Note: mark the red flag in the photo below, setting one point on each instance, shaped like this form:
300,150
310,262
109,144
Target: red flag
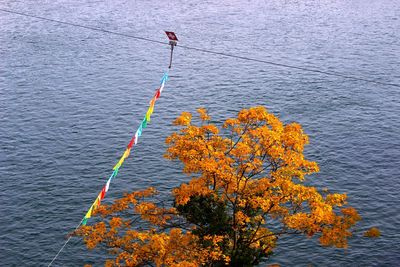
103,193
157,95
131,142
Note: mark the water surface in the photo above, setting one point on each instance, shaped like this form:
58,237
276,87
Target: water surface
71,98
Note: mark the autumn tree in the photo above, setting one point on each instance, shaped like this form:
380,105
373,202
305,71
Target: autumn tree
246,189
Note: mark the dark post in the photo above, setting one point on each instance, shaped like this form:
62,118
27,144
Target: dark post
173,40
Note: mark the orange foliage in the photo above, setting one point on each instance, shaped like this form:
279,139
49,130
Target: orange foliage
373,232
254,167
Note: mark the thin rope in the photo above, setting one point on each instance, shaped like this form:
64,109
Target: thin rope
55,257
66,242
82,26
314,70
291,66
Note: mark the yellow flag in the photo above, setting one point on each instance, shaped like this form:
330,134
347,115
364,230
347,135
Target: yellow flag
119,163
150,110
148,114
122,159
89,213
126,153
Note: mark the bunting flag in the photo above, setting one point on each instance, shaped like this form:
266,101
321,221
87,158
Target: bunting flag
132,142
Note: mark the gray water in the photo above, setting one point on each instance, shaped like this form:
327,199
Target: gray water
71,98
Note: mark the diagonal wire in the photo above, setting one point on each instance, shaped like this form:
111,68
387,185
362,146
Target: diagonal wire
65,243
342,75
82,26
277,64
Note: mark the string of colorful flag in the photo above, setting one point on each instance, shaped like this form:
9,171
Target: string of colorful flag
132,142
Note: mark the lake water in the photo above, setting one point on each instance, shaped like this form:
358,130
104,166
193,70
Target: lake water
71,98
